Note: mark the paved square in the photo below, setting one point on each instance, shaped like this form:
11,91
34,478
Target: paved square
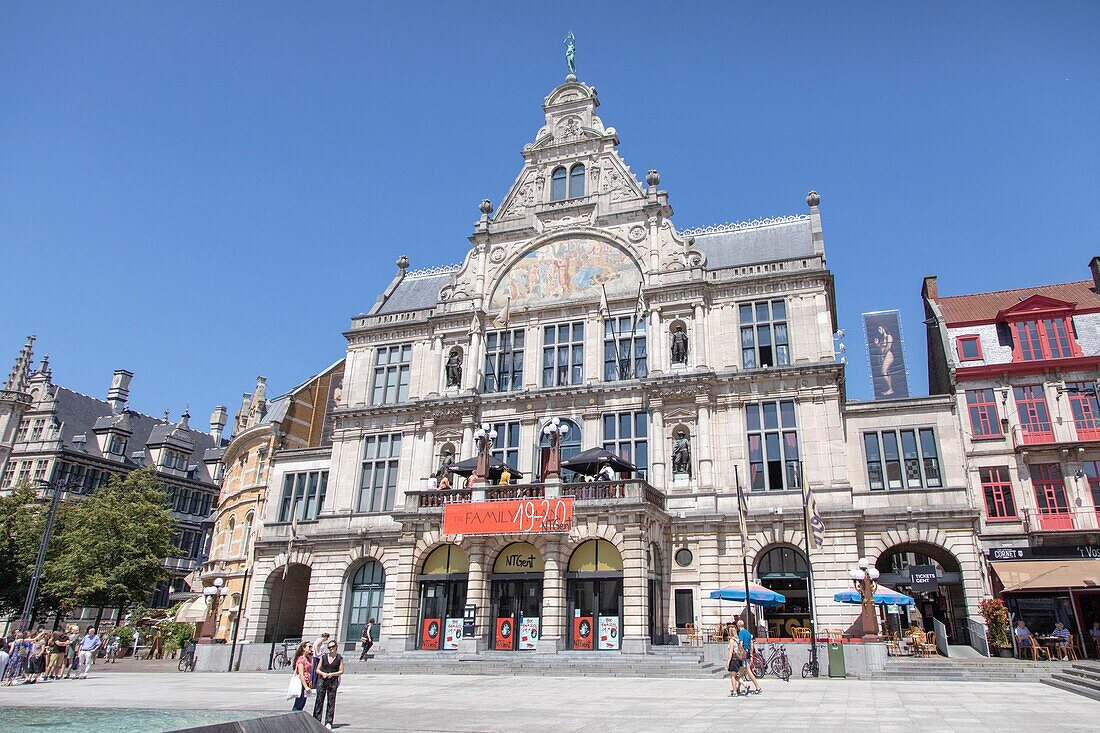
476,704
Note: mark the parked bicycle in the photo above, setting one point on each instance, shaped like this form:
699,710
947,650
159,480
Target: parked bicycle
810,668
187,659
775,662
282,657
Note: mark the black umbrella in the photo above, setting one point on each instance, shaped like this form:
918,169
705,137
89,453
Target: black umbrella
590,462
496,467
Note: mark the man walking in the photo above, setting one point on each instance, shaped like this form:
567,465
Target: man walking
745,637
89,645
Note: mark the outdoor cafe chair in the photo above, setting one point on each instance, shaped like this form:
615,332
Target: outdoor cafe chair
1071,649
800,632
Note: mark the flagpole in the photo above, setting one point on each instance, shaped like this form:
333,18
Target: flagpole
809,567
741,510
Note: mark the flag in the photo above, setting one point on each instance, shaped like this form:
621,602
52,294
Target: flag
604,308
505,313
815,526
742,514
639,307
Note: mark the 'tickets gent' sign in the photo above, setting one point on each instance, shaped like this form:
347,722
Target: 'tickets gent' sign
512,516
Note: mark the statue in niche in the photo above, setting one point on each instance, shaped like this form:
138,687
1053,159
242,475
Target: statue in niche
681,454
679,346
454,368
443,473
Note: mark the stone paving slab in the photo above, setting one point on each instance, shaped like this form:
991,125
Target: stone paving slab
463,704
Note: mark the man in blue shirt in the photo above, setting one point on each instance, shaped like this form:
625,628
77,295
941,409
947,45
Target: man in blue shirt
1062,633
745,638
89,645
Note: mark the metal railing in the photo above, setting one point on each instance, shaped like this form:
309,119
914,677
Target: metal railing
1069,519
1033,433
625,491
979,637
941,636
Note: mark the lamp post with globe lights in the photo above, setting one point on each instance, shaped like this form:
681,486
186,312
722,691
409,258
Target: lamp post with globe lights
483,437
214,594
555,432
864,579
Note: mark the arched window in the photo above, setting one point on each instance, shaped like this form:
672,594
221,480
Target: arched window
365,592
247,532
229,535
784,570
557,184
570,446
576,181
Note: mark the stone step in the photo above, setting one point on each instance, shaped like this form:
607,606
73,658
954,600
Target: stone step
1086,677
1073,686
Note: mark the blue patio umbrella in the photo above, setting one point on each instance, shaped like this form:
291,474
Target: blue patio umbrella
758,594
883,597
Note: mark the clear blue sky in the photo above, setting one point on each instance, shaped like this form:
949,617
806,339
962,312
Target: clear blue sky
202,192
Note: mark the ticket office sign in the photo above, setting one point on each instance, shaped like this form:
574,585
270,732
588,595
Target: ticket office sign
510,516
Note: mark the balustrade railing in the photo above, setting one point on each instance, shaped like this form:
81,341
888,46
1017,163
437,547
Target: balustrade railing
1059,519
626,490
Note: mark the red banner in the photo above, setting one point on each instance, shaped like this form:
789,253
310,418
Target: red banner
506,633
430,633
582,632
510,516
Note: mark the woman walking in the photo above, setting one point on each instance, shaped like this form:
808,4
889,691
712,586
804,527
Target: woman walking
330,668
36,663
366,639
14,667
303,673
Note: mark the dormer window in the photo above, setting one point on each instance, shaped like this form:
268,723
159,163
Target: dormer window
567,184
117,445
173,459
1048,338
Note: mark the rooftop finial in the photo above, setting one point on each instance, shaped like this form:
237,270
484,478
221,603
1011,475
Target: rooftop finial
402,262
571,56
17,380
485,207
813,199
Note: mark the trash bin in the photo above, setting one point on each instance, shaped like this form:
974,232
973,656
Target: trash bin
836,659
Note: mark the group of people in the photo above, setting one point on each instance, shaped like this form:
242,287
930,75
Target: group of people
318,667
1026,640
30,657
739,662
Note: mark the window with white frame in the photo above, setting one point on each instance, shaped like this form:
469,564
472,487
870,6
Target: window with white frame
303,495
504,360
36,429
902,459
563,354
626,434
506,445
391,374
624,349
773,446
9,475
764,337
378,484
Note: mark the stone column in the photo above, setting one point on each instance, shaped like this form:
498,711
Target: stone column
428,450
710,611
635,632
400,607
471,366
435,368
706,473
593,347
532,357
477,592
552,625
699,334
467,448
656,343
592,435
657,443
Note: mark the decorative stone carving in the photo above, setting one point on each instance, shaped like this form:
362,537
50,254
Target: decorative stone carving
637,234
497,255
454,368
679,346
445,463
681,454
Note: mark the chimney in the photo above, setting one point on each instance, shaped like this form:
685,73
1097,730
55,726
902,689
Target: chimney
218,418
1094,267
929,290
119,393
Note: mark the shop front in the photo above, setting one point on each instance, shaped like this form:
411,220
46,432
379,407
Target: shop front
785,570
443,581
931,576
516,597
595,594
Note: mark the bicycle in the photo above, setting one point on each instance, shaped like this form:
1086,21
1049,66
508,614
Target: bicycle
810,668
187,660
282,657
776,662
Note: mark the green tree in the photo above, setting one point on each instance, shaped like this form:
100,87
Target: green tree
22,523
112,547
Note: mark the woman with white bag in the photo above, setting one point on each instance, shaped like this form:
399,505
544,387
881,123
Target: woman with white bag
299,687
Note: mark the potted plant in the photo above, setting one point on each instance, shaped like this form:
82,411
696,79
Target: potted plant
995,613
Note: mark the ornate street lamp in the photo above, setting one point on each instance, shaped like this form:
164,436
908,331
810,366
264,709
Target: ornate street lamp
863,579
214,594
484,437
555,431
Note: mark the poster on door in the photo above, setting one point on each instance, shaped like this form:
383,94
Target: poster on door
582,632
528,632
609,632
452,632
506,633
430,633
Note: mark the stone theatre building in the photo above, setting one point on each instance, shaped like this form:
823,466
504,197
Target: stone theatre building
579,299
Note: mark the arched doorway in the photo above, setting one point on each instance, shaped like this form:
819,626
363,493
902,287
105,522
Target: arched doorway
595,592
443,580
784,570
366,589
946,604
516,597
287,589
570,446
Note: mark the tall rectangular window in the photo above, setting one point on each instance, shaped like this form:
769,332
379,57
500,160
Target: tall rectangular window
40,470
1050,496
303,495
506,445
1086,409
391,374
1092,472
626,434
563,354
773,446
764,337
1031,408
899,459
9,475
624,349
982,406
36,430
21,433
1047,338
378,484
998,493
504,360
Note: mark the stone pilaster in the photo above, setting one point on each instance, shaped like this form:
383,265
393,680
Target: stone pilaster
552,624
635,633
699,335
705,458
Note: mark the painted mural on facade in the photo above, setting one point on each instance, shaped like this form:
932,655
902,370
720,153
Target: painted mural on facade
572,270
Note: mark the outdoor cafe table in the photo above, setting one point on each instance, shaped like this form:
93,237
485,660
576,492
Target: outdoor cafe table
1051,643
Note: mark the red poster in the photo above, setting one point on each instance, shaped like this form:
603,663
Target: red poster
582,632
430,633
506,633
510,516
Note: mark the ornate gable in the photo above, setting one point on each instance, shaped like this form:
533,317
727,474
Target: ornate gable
1036,305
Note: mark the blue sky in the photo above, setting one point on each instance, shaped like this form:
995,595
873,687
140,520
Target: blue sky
202,192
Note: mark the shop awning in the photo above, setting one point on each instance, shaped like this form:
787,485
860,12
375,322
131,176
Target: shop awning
1044,574
192,611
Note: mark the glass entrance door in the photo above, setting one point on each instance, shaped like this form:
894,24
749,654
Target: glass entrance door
441,606
517,607
595,613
